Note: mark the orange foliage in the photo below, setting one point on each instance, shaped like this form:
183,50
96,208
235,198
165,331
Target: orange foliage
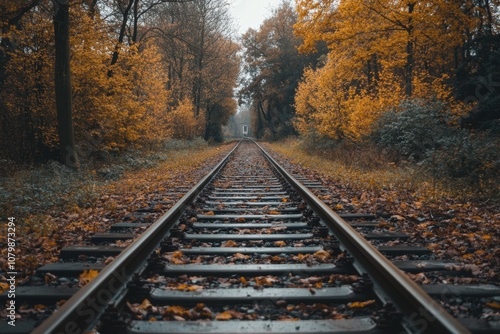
181,122
381,52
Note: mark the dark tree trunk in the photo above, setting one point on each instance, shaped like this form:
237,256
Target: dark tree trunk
121,36
409,53
63,85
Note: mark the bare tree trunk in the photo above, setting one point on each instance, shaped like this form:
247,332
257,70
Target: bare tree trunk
409,53
63,85
123,28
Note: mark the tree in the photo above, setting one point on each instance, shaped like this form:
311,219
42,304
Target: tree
63,84
381,52
273,69
202,60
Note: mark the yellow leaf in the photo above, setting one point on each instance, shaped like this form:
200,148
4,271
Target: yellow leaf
3,287
145,305
87,276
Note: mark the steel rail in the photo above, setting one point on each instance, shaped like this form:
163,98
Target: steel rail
421,314
82,310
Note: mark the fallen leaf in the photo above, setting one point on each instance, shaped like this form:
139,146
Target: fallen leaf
280,243
239,256
322,255
228,315
494,305
145,305
361,304
87,276
229,243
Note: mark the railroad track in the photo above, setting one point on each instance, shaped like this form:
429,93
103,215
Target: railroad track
251,249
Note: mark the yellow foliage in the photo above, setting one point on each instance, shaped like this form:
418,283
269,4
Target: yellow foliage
380,53
182,123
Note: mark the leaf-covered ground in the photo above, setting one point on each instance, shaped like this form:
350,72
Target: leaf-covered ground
55,207
456,230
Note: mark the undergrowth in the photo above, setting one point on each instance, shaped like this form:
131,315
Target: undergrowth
53,186
365,166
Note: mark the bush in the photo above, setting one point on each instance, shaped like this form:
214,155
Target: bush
413,129
471,161
420,132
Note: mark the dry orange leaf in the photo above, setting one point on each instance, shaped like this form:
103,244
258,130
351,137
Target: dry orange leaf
3,287
361,304
228,315
87,276
186,287
210,213
239,256
264,280
243,280
224,316
277,259
145,305
40,307
229,243
322,255
494,305
280,243
273,212
175,310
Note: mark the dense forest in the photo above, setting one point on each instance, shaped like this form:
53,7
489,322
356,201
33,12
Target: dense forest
419,80
131,73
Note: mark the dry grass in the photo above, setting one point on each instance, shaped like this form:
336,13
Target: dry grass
363,167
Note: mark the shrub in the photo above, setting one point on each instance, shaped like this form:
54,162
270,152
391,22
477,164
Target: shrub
470,161
413,129
420,131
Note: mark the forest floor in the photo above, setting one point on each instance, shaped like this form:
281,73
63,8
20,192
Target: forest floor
54,206
456,229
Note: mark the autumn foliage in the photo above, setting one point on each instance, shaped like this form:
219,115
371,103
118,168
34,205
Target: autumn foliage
133,75
380,53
